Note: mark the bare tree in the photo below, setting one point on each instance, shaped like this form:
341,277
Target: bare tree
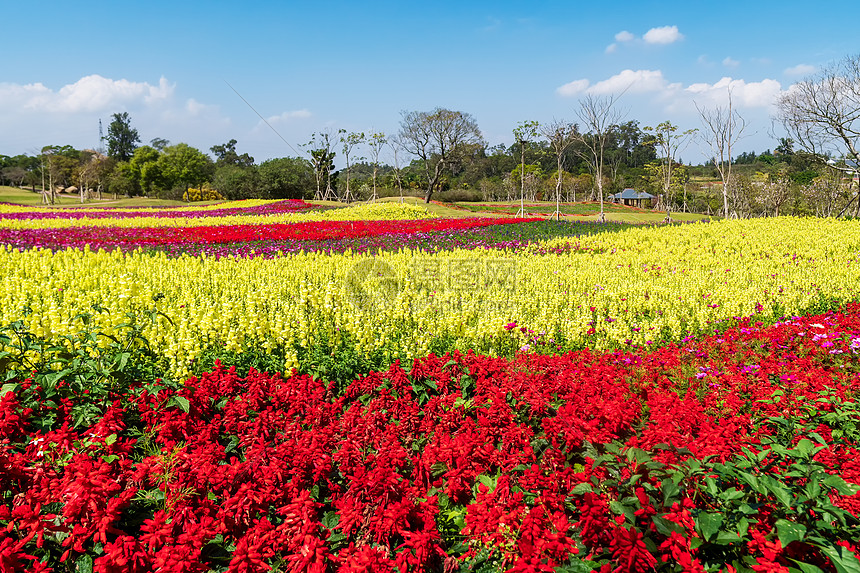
668,141
437,138
322,157
598,115
524,132
375,142
775,192
722,128
349,141
822,113
824,193
396,147
561,136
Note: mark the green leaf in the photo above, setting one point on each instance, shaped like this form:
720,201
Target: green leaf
804,447
789,531
330,519
778,490
731,494
670,492
844,560
10,387
726,537
750,480
709,524
620,509
123,360
840,485
52,378
335,538
807,567
666,526
487,481
110,440
182,402
581,488
84,564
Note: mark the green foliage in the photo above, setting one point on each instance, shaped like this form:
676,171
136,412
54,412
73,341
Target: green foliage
779,490
122,139
91,367
184,166
235,182
286,178
226,155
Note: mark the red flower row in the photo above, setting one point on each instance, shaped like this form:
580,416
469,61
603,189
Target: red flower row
306,231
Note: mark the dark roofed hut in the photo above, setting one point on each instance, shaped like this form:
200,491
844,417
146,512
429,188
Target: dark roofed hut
632,198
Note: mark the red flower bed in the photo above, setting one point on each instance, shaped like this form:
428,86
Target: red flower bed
307,231
732,450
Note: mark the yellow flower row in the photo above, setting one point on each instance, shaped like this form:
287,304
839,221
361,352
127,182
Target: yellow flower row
364,212
241,203
631,286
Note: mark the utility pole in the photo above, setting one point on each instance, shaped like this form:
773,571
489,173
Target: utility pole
101,148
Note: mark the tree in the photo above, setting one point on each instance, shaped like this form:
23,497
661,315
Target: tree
234,182
396,146
91,171
375,143
775,192
668,141
121,137
226,155
322,159
158,143
121,180
598,115
146,169
822,113
723,127
286,178
561,136
183,166
437,138
524,132
349,141
58,164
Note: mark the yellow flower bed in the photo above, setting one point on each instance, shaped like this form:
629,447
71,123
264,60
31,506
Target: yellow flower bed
628,286
241,203
365,212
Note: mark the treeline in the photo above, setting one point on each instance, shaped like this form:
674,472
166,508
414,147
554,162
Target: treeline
778,182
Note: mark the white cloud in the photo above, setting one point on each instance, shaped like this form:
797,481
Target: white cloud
663,35
800,70
611,48
624,36
572,88
89,94
745,94
195,108
674,95
638,81
730,63
289,116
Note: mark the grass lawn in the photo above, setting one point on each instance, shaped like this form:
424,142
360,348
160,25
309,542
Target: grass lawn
27,197
572,211
586,210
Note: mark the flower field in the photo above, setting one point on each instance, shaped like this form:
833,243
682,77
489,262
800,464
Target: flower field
374,389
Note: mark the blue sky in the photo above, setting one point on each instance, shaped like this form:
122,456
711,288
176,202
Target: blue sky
310,66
